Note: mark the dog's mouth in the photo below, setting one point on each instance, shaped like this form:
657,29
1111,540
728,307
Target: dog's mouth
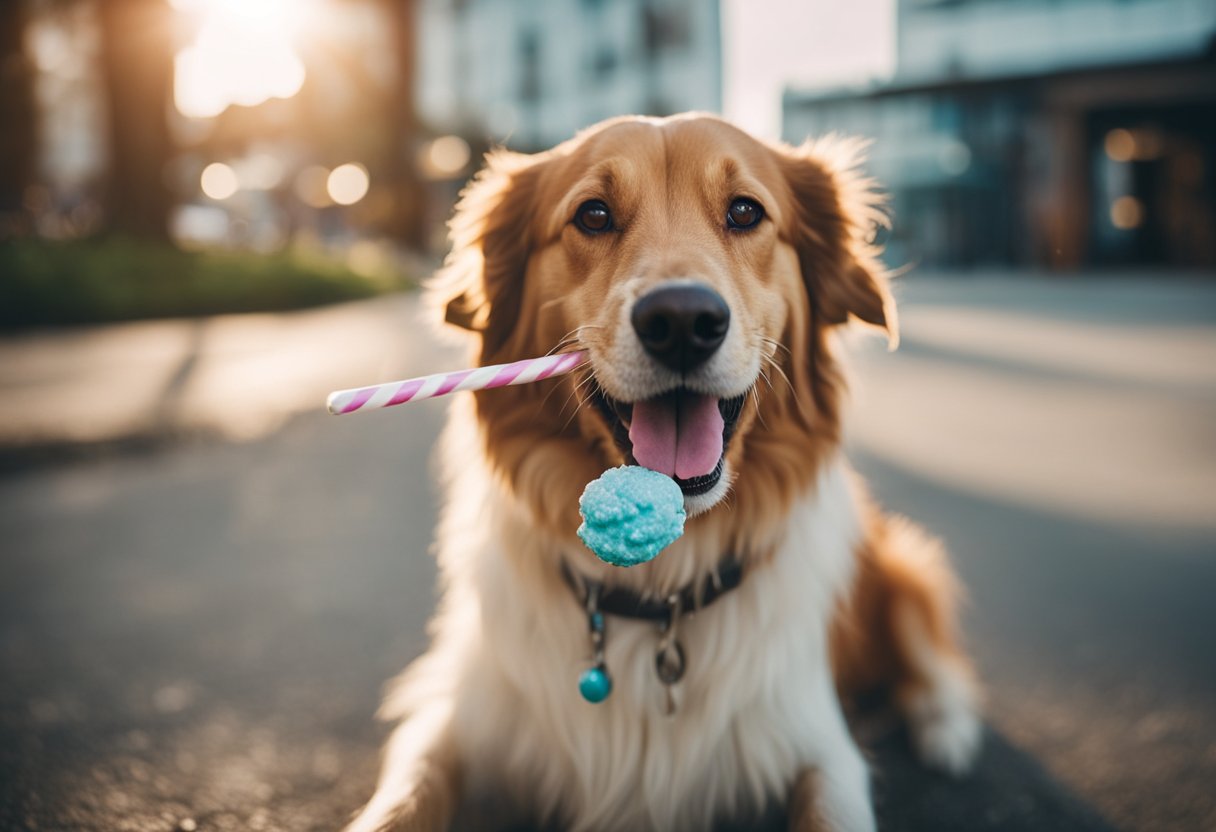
680,433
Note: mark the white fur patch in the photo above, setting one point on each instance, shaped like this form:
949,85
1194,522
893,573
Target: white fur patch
756,705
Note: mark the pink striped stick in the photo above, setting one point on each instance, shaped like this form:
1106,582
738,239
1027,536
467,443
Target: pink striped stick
440,384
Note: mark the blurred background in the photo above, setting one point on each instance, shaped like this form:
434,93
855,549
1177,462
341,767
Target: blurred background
212,212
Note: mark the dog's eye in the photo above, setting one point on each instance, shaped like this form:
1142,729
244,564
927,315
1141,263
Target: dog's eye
593,217
744,213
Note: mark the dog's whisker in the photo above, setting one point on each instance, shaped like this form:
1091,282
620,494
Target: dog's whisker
579,390
768,379
586,374
549,395
755,394
765,375
572,341
773,348
586,381
580,400
568,340
776,366
573,414
775,344
574,391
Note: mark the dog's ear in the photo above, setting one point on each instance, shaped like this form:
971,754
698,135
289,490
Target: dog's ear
836,214
481,284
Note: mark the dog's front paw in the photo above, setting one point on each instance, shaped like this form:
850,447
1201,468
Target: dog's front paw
833,798
945,722
949,740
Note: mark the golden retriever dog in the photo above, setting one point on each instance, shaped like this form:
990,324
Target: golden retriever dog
705,273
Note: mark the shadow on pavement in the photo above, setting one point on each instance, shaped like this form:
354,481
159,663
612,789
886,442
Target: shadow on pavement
1093,641
1008,792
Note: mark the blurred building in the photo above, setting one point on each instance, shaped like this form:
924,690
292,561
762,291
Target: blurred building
531,74
1057,133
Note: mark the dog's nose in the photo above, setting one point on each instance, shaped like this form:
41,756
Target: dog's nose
681,326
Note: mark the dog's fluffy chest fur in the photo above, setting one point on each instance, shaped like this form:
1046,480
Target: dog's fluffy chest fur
750,705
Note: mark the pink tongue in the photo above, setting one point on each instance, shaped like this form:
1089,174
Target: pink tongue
678,435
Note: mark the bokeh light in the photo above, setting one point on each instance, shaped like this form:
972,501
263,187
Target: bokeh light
260,172
1140,145
1126,213
1120,145
955,158
347,184
446,156
219,181
243,54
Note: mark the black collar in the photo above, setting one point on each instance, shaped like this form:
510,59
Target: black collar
626,603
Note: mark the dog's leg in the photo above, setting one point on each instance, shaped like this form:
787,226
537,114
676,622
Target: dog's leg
900,632
832,795
419,786
939,697
936,691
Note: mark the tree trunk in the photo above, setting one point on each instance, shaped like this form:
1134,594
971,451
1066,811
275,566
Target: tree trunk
137,66
406,220
18,130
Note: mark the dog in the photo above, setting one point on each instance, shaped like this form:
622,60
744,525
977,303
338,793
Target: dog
705,273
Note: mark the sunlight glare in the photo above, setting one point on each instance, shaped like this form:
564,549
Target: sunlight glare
243,54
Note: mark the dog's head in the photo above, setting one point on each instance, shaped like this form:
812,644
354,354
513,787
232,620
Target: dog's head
701,269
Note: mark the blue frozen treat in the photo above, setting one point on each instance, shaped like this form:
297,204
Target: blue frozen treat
629,514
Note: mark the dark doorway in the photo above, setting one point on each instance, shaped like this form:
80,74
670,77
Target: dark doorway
1153,178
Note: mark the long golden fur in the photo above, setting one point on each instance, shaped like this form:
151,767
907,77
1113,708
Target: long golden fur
527,281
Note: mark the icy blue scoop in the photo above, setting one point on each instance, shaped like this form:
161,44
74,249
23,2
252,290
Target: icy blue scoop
630,514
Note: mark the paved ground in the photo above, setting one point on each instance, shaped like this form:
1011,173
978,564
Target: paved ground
237,376
194,634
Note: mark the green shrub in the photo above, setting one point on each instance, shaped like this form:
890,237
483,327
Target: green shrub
109,279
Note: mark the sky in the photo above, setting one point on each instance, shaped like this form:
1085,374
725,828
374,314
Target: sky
769,44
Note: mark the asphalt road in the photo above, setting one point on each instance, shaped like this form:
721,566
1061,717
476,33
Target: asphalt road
194,635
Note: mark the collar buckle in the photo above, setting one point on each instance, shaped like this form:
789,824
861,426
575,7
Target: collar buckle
669,659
